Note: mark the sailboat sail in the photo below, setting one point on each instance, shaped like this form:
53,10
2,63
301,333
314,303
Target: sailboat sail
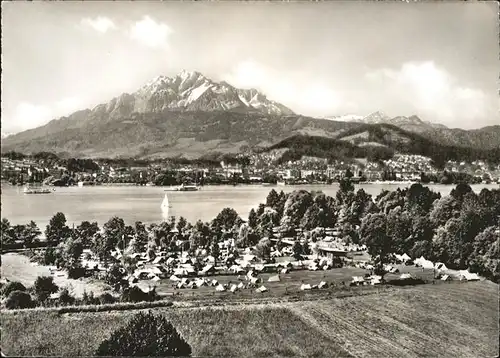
165,206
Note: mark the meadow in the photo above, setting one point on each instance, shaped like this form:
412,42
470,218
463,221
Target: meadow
445,320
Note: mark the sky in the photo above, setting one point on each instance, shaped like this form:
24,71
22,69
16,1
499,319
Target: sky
439,61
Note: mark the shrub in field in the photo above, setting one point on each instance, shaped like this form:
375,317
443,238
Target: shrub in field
19,299
89,299
145,335
106,298
65,298
135,294
11,287
44,286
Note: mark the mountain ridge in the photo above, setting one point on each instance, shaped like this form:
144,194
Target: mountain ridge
190,114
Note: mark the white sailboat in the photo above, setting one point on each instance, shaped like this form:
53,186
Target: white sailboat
165,207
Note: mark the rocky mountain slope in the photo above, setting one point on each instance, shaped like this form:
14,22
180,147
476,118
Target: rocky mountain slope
192,115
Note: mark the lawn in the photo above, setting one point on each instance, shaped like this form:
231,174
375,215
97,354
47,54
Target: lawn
445,320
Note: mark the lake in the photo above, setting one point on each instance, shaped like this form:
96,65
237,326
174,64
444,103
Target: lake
135,203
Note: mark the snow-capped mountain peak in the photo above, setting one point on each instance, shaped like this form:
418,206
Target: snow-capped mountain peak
192,91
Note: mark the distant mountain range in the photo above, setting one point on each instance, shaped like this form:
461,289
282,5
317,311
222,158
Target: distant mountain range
191,115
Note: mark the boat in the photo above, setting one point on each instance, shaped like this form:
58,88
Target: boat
165,207
183,187
37,190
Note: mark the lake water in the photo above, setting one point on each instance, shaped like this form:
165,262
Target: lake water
134,203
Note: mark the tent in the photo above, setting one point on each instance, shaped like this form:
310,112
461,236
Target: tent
208,269
285,270
440,266
255,280
322,284
261,289
305,287
236,269
234,288
155,278
241,285
405,257
174,278
220,288
214,283
446,278
405,276
465,275
275,278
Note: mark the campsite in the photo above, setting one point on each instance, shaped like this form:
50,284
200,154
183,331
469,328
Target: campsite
425,316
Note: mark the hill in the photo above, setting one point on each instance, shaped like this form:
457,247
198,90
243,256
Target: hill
379,141
428,320
483,138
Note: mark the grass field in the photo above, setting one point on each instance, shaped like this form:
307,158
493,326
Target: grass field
446,320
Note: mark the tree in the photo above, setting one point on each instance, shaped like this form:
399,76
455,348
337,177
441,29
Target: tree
86,231
252,219
373,232
140,236
115,277
215,252
117,233
31,233
44,286
226,219
297,250
19,300
443,210
7,232
57,230
181,224
263,249
72,250
145,335
272,199
11,287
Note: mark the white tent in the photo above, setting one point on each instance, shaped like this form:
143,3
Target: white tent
405,257
174,278
220,288
241,285
405,276
234,288
446,278
285,270
275,278
261,289
305,287
214,283
322,284
465,275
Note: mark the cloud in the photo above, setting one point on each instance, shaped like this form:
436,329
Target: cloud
100,24
431,91
28,115
309,96
150,33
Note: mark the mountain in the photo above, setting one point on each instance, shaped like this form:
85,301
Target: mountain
5,135
190,91
378,141
191,115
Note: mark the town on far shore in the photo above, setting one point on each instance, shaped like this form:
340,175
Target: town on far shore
262,168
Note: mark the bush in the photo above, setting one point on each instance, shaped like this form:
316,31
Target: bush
89,299
11,287
76,272
19,299
145,335
65,298
135,294
44,286
106,298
